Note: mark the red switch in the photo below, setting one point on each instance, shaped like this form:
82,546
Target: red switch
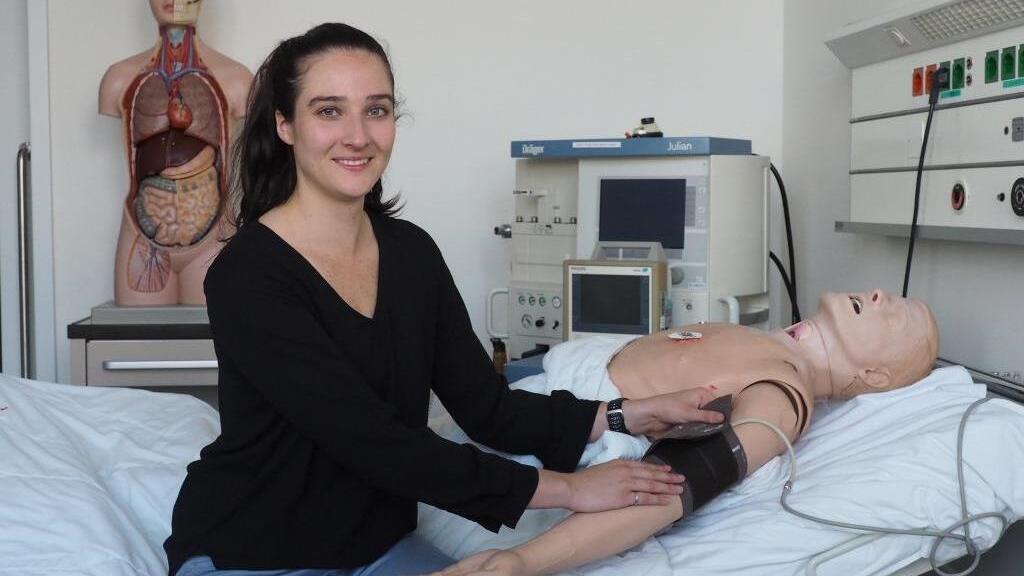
917,82
929,73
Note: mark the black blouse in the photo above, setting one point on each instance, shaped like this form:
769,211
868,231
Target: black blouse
324,448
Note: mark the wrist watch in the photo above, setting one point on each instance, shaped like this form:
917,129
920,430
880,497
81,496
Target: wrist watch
616,421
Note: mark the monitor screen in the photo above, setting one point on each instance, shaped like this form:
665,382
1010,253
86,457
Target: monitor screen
643,210
611,304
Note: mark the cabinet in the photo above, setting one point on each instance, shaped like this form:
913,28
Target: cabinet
175,357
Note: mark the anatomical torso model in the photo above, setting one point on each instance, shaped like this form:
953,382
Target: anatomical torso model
178,103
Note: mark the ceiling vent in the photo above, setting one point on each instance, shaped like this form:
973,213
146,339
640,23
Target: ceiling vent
956,20
917,28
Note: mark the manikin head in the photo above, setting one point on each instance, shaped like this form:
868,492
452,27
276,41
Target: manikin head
176,12
874,341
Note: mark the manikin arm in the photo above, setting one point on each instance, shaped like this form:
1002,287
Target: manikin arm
584,538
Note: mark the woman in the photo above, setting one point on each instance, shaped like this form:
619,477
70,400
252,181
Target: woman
333,321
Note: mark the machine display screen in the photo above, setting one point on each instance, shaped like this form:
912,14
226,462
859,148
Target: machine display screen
643,210
611,304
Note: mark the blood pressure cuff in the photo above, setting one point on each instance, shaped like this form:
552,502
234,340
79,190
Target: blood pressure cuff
709,455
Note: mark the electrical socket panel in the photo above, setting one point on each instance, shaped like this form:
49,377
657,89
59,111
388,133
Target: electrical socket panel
975,153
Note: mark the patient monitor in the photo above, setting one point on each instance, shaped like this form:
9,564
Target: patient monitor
622,290
704,200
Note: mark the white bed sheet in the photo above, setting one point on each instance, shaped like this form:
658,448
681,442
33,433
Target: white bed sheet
882,459
88,476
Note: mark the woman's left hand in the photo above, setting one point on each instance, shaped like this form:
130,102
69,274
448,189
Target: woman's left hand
656,415
488,563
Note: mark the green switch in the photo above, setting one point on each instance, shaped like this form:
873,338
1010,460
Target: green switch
991,66
1009,65
957,74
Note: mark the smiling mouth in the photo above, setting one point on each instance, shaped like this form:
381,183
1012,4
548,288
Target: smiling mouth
352,162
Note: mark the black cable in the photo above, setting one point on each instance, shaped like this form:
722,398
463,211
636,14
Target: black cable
939,81
789,228
790,288
789,243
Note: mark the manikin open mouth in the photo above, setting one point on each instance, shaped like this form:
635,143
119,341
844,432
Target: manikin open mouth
796,330
857,304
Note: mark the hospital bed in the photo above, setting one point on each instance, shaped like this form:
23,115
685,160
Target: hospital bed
88,477
884,459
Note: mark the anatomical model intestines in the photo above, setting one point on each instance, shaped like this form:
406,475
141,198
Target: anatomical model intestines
178,103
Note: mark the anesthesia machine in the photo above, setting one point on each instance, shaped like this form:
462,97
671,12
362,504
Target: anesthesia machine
629,236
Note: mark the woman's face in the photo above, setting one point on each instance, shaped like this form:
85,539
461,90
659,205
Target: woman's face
343,128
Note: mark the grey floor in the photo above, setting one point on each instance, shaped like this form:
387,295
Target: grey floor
1005,559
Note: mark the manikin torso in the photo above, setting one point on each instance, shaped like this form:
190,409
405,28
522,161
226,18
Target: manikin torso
178,103
731,358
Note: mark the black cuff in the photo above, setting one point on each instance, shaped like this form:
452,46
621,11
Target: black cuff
505,508
575,420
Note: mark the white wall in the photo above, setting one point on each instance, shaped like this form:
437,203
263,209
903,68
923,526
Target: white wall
474,75
973,289
14,129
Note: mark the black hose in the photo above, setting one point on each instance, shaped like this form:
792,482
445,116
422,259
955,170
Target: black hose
789,244
790,288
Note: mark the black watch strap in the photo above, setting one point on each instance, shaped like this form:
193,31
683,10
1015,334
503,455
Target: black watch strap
616,421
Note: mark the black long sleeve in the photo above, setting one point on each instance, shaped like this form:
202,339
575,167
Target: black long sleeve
554,428
324,449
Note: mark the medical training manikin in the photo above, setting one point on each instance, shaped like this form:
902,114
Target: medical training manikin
178,102
856,343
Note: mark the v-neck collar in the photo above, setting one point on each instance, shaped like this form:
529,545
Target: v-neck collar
305,263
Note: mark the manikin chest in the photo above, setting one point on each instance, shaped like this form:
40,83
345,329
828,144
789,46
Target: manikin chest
728,357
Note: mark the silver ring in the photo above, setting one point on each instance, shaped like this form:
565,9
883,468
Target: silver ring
636,498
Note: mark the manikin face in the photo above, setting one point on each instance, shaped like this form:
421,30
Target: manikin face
176,12
875,341
343,128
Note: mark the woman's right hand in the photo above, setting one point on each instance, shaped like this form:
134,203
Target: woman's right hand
622,483
608,486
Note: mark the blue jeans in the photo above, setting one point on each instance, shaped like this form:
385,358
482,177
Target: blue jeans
410,557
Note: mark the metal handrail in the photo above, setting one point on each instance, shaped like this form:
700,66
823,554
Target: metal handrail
24,275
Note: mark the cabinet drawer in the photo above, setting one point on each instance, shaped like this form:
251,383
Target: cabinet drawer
151,363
